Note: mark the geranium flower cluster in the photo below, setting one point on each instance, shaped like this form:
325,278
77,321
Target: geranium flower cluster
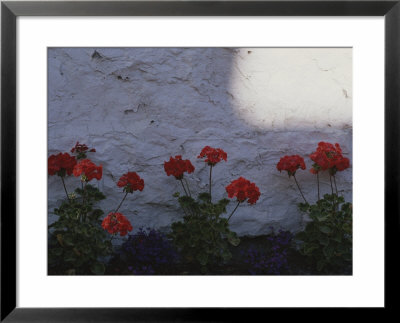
176,166
61,164
328,156
291,164
243,189
88,170
131,181
116,223
213,155
81,149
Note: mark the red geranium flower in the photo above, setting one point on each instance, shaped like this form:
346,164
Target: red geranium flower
342,164
80,150
131,182
61,164
243,189
177,166
88,170
214,155
328,156
291,164
116,223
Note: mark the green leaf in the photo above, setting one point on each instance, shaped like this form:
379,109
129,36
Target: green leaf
322,218
223,203
71,272
70,258
324,240
202,258
220,226
320,264
205,197
226,255
308,248
303,207
68,240
186,201
337,238
98,268
346,227
328,251
325,229
57,251
233,239
60,239
342,249
302,236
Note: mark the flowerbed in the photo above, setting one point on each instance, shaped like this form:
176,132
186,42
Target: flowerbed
80,241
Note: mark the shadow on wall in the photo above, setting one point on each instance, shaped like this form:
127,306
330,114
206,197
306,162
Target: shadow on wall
139,106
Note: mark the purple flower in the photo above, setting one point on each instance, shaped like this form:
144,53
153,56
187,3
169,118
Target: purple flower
148,252
272,262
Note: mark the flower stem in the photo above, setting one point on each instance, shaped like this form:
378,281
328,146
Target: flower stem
65,188
183,186
187,185
83,193
334,197
83,202
184,211
123,199
334,181
211,166
234,210
318,185
330,178
298,186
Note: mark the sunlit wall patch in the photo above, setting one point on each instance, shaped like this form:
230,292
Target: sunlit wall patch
293,88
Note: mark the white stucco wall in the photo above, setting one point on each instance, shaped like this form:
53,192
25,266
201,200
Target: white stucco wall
139,106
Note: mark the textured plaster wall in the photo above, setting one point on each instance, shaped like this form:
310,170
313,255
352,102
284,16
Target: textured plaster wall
139,106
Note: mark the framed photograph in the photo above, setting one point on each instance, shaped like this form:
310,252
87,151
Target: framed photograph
178,155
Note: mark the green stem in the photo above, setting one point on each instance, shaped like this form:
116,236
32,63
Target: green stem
65,188
334,197
183,186
83,201
298,186
123,199
187,185
211,166
234,210
334,181
330,178
184,211
83,197
318,185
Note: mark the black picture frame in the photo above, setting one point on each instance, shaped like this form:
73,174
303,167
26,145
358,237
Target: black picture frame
10,10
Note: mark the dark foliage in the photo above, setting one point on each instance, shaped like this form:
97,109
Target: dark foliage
77,242
203,237
326,242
